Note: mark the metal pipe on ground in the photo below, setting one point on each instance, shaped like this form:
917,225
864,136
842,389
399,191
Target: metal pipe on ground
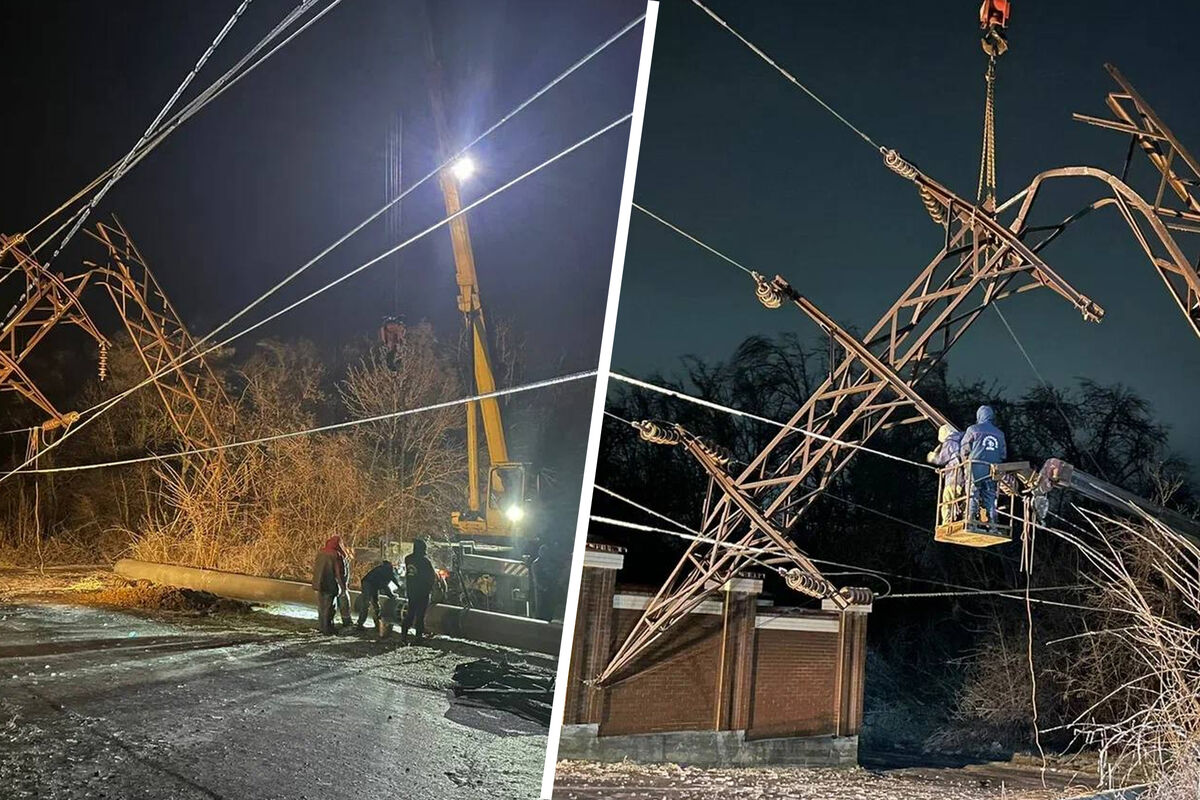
1128,793
481,626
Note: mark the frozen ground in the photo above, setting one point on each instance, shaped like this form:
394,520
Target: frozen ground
98,703
584,780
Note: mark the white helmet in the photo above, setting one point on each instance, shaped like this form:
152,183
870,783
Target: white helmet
945,431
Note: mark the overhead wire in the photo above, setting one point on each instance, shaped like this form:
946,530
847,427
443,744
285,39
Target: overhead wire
101,407
1049,390
789,76
758,418
687,235
527,387
123,164
691,534
214,90
827,493
96,411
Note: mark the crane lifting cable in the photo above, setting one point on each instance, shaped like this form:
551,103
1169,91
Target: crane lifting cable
993,19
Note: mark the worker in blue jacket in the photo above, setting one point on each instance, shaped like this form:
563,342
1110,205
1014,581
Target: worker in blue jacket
983,445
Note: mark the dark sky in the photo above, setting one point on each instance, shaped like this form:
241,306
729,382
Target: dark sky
737,156
292,157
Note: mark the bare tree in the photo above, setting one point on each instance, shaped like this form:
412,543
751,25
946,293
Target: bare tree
418,460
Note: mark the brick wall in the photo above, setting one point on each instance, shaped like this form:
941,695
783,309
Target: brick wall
795,683
677,692
590,647
718,670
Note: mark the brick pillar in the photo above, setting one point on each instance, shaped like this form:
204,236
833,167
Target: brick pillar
593,633
739,598
851,670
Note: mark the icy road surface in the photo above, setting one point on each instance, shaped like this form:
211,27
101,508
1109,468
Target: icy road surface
105,704
585,780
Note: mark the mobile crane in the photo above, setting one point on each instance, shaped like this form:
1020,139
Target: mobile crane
486,564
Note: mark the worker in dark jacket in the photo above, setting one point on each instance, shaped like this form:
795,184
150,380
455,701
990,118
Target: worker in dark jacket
419,579
983,445
375,583
326,582
545,580
343,601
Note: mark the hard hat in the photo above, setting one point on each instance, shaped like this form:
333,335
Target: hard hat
945,431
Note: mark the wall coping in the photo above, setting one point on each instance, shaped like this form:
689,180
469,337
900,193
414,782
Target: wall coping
796,619
603,559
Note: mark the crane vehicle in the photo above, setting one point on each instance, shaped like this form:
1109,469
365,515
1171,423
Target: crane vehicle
486,563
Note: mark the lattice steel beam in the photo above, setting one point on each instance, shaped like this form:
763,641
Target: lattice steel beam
191,393
980,262
1149,227
1176,204
46,300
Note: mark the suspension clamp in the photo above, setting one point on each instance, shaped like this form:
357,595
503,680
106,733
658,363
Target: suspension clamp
658,434
767,292
896,163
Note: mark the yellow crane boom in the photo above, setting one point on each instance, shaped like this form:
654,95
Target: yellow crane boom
506,481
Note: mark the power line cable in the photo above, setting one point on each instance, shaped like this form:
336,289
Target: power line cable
528,387
217,88
739,413
790,77
96,411
122,166
693,535
687,235
1049,390
432,173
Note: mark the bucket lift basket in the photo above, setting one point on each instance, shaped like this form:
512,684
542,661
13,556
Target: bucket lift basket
955,486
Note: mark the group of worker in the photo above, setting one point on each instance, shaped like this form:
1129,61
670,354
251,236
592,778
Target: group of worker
331,581
970,454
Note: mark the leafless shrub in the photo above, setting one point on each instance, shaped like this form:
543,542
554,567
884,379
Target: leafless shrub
1140,668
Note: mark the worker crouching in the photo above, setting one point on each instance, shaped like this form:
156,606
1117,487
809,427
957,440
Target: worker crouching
376,584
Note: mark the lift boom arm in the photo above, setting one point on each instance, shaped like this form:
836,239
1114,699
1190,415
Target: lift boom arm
469,304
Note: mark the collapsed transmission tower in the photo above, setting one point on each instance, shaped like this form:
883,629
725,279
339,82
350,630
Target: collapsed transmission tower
1176,206
191,394
869,389
46,299
983,259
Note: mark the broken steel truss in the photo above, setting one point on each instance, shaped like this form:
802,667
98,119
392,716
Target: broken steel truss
869,389
1176,206
191,394
45,300
1149,228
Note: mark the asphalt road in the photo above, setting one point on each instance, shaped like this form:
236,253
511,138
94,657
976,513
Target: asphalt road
104,704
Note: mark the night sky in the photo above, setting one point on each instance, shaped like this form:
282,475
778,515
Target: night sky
737,156
294,155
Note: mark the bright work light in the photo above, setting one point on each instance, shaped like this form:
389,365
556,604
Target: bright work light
463,169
